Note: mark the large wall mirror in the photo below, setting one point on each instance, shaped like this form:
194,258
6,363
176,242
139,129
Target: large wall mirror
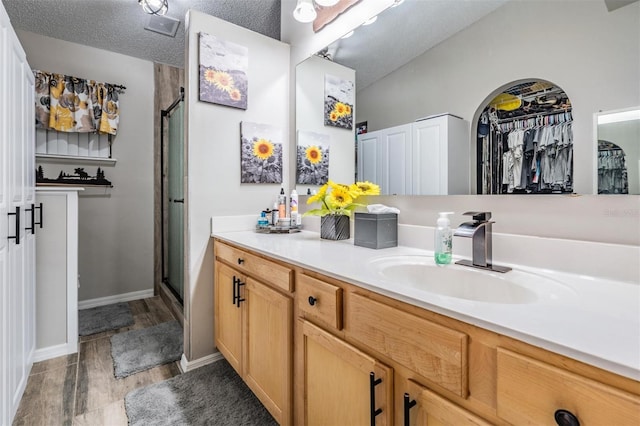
425,58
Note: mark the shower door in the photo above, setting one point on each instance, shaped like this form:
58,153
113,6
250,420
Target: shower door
175,190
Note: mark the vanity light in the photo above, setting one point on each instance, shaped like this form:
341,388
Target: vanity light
371,21
347,35
305,11
154,7
397,3
327,3
619,116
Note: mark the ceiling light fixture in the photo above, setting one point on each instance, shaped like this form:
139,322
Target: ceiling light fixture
154,7
305,11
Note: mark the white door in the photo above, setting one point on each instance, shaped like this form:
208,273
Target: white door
17,254
368,159
396,160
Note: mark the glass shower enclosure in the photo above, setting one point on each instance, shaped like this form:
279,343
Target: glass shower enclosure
173,197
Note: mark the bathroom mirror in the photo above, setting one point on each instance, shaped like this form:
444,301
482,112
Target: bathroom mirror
617,146
474,48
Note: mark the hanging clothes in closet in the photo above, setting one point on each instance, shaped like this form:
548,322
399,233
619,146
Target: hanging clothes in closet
537,154
612,169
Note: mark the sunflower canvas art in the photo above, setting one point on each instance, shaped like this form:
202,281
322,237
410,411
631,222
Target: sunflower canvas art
338,102
261,157
312,159
223,72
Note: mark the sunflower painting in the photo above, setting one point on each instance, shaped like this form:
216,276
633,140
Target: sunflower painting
223,72
261,157
312,159
338,102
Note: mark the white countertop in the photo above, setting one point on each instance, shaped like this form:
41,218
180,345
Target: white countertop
597,321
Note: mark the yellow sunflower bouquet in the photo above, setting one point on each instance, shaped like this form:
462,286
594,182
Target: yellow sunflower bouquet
339,199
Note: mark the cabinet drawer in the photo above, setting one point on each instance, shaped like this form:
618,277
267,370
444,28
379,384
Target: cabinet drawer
530,392
435,352
320,300
269,272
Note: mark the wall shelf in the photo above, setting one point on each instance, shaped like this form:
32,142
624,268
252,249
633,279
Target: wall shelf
57,158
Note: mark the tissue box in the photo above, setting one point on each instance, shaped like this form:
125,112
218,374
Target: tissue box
376,230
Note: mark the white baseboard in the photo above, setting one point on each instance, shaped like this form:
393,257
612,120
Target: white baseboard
125,297
44,354
186,365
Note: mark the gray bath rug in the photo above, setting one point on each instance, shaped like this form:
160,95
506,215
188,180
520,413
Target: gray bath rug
210,395
139,350
104,318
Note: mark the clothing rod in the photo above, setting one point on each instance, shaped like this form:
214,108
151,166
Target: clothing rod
535,115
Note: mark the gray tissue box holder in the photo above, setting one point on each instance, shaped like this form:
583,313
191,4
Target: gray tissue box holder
376,231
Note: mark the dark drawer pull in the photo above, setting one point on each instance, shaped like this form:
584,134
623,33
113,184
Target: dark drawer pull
240,261
373,382
408,405
566,418
312,300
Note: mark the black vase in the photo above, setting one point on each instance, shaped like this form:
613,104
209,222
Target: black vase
334,227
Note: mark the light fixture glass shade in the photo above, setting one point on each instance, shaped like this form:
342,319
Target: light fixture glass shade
327,3
304,11
371,21
154,7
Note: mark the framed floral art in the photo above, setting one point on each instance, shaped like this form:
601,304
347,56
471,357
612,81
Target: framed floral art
261,153
312,158
338,102
223,72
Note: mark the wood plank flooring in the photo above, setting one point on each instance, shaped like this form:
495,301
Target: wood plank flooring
80,389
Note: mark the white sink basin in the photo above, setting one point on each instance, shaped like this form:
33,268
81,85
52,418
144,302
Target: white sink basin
461,282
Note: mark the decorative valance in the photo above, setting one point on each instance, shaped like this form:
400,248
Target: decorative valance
70,104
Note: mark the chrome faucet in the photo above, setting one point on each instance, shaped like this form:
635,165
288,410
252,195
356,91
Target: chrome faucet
480,233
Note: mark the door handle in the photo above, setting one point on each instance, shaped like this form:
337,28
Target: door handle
32,228
408,404
17,228
41,210
375,412
180,200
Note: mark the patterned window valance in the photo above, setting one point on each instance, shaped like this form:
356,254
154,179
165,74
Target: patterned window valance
71,104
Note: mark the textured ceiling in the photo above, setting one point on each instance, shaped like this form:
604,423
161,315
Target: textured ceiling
118,25
404,32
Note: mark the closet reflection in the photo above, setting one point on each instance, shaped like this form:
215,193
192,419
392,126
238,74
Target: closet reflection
525,141
618,151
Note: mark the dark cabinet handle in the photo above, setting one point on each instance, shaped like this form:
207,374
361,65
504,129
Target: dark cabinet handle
240,261
566,418
41,210
238,298
32,228
237,283
17,228
408,405
373,382
312,300
235,289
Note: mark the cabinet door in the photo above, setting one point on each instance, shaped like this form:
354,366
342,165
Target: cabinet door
396,156
422,407
268,348
343,385
368,159
428,156
228,314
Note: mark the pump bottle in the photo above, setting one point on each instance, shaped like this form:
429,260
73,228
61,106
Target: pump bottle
442,247
282,204
296,219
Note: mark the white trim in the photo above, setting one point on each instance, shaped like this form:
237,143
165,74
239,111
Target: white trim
186,365
125,297
44,354
72,268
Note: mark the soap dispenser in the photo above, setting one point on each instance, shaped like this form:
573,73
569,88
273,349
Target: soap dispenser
442,248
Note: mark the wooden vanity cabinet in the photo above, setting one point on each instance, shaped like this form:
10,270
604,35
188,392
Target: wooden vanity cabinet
452,372
253,325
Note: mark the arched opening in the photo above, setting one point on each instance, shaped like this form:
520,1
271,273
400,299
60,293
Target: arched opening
612,169
525,140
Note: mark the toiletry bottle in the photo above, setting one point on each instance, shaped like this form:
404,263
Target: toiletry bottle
293,203
443,238
282,204
275,214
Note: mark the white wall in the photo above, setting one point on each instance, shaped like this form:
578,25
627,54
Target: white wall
310,116
592,54
213,157
115,225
